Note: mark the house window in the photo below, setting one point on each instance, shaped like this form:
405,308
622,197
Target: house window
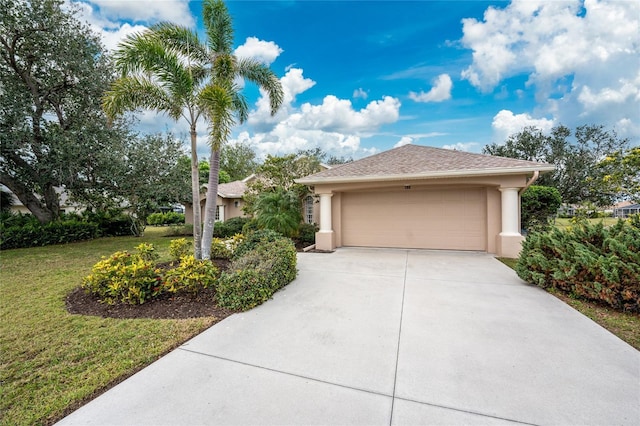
308,209
217,213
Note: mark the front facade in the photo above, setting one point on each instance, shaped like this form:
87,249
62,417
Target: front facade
424,197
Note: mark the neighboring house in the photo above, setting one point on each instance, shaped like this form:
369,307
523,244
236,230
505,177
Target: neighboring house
423,197
229,201
626,210
66,205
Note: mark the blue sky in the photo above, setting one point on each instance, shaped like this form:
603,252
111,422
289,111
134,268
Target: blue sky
364,76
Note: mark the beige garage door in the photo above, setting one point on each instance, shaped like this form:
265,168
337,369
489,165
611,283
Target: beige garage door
453,219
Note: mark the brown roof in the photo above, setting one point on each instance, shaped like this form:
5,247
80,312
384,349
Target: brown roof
234,189
415,161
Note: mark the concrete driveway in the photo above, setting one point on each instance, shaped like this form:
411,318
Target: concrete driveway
380,337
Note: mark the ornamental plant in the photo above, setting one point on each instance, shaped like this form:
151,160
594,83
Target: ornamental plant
124,277
190,276
587,261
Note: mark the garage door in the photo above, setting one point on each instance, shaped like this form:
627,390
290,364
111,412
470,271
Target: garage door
453,219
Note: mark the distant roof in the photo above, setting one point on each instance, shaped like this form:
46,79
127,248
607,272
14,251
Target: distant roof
415,162
234,189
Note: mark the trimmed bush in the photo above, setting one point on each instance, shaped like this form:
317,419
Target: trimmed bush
256,275
124,277
190,276
307,234
225,248
134,278
162,219
587,261
252,239
33,234
230,227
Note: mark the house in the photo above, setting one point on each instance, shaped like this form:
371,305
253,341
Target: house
66,205
626,209
424,197
229,201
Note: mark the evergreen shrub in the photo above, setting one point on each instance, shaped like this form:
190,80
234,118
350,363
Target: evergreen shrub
230,227
257,274
586,261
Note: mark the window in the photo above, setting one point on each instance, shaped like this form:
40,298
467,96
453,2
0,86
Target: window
217,213
308,209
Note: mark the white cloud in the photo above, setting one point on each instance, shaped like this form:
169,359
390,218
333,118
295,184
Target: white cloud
333,125
405,140
360,93
176,11
462,146
441,91
581,57
263,51
506,123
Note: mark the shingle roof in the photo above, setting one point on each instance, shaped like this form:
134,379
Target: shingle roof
415,161
234,189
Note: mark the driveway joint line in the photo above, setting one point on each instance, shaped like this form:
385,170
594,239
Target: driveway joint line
395,375
273,370
465,411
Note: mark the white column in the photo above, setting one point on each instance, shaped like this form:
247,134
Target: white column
325,213
510,212
221,213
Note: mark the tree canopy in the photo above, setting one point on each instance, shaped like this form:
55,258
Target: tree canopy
53,132
576,155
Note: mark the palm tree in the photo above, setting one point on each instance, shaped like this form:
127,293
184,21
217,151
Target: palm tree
222,100
157,76
174,72
279,210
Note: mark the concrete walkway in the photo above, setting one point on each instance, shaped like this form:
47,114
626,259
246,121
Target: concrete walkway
380,337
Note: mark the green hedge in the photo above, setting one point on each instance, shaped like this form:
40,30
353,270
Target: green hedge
34,234
257,274
587,261
230,227
162,219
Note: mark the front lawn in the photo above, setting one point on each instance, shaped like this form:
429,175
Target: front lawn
624,325
562,223
52,361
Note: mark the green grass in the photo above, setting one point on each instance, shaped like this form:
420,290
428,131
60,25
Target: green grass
53,361
623,324
563,223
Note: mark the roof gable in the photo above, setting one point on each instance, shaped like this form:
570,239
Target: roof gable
416,161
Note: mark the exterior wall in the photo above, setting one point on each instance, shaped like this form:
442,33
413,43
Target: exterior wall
495,243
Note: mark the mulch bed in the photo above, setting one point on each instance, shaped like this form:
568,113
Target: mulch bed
178,306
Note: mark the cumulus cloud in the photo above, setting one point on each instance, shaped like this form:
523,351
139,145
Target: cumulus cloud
360,93
463,146
263,51
108,18
333,125
585,53
506,123
405,140
176,11
441,91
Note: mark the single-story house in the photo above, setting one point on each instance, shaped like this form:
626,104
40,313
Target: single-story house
229,201
424,197
66,205
624,211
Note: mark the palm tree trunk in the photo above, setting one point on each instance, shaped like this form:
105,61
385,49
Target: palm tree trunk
210,206
195,196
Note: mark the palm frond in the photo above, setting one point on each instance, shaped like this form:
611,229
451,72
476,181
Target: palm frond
218,26
264,77
130,93
181,39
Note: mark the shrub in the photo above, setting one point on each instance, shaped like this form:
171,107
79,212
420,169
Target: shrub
124,277
257,274
280,211
586,261
251,241
230,227
179,230
111,223
168,218
225,248
179,248
32,233
190,276
307,234
539,203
